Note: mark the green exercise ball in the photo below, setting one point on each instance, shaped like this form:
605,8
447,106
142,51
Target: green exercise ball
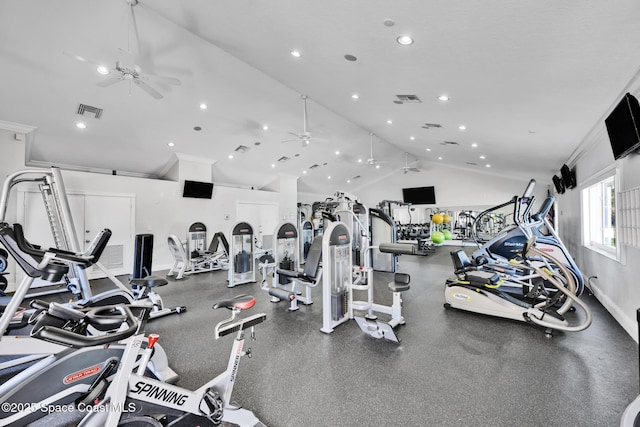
447,235
437,237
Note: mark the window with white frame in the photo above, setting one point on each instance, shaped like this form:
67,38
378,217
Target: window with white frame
599,216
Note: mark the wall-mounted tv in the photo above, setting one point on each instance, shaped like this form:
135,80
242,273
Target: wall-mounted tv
419,195
198,190
622,127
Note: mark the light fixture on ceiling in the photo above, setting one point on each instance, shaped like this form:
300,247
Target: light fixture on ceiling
377,166
348,181
329,177
443,98
462,127
265,127
389,122
413,138
171,144
337,153
231,156
273,165
355,96
102,70
439,157
389,22
482,156
428,149
81,125
203,106
304,172
405,40
488,166
296,53
359,160
474,145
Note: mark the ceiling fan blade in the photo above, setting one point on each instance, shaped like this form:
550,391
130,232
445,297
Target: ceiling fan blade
163,79
110,81
290,140
304,113
151,91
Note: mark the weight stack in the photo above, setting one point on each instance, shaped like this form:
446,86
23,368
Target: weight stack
143,256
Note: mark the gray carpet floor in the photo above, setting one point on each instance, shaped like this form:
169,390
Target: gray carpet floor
452,368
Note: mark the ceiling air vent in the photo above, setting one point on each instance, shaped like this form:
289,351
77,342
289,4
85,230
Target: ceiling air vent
314,166
472,163
411,99
241,149
83,108
283,159
431,125
449,143
356,177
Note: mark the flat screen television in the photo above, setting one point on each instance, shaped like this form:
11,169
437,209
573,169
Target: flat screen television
198,190
419,195
622,127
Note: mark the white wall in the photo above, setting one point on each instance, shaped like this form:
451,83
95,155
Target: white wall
160,208
617,286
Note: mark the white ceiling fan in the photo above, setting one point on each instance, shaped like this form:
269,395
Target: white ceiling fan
406,168
305,135
128,68
372,160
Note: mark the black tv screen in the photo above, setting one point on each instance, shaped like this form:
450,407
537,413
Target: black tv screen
622,127
419,195
198,190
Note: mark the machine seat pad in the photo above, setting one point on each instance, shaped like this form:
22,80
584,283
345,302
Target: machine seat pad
241,302
149,281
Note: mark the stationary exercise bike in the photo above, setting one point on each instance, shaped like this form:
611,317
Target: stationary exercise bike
52,265
481,291
105,378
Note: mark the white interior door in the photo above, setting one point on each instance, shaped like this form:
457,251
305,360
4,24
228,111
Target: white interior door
116,214
263,217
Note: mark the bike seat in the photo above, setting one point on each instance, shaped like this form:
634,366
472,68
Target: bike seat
149,281
239,302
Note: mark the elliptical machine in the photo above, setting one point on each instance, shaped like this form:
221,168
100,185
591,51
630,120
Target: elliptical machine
509,242
481,291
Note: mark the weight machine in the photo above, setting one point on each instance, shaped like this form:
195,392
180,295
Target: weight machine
190,257
242,264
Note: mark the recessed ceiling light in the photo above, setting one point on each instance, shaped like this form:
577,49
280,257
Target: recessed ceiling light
231,156
439,157
474,145
377,166
405,40
81,125
389,122
428,149
348,181
355,96
337,153
443,98
329,177
413,138
265,127
273,165
359,160
304,172
482,156
296,53
462,127
307,141
203,106
171,144
488,166
102,70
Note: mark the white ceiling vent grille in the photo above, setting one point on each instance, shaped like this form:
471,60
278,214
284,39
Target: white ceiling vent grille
472,163
314,166
431,125
449,143
356,177
410,99
283,159
241,149
84,108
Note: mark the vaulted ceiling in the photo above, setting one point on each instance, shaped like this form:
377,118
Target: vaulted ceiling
526,79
